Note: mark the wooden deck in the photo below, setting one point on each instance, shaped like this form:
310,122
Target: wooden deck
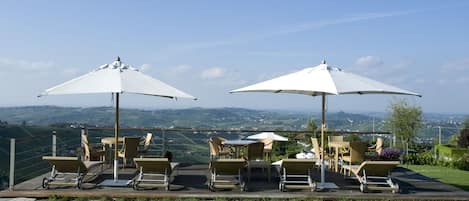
191,182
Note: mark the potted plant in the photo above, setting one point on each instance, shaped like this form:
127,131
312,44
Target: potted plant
390,154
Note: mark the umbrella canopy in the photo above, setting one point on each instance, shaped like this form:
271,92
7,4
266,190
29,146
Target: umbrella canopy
323,80
116,78
268,135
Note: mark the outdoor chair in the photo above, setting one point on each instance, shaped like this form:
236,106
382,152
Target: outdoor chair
334,138
375,175
355,155
153,172
129,149
226,174
216,148
255,159
268,143
317,153
91,152
68,171
146,144
296,174
213,150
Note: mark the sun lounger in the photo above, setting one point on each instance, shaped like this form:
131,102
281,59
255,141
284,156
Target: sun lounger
297,174
67,171
375,175
153,172
226,174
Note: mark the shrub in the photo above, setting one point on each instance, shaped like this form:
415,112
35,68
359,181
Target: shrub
462,163
445,152
423,158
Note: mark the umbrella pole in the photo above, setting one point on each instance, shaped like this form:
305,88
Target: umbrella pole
323,125
116,137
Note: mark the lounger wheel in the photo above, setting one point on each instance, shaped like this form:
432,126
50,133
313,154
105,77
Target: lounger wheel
166,187
281,187
79,183
45,183
135,185
242,187
210,186
396,189
363,188
313,187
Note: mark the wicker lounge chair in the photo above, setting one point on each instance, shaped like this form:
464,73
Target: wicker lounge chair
93,152
255,159
297,174
153,172
355,155
226,174
217,150
67,171
317,154
129,149
375,175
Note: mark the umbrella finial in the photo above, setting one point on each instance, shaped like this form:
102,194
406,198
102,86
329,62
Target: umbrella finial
323,61
118,58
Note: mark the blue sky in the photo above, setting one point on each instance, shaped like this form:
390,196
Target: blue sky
208,48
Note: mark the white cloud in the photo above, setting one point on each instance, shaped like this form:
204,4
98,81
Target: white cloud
454,72
456,66
462,80
211,73
70,71
368,62
181,69
289,29
145,67
24,65
420,81
276,54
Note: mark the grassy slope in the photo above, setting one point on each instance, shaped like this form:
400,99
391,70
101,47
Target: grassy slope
458,178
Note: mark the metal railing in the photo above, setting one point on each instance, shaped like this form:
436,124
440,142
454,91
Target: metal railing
26,153
25,161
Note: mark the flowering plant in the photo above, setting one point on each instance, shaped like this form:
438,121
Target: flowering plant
390,154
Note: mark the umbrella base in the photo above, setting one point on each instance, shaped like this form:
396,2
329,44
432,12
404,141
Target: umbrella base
115,183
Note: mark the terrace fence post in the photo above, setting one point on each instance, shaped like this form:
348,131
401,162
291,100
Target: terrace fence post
11,182
54,143
81,155
163,143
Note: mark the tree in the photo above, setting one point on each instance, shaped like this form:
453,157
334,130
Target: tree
463,139
465,124
405,120
312,127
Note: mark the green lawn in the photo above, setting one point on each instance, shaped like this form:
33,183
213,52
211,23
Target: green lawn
458,178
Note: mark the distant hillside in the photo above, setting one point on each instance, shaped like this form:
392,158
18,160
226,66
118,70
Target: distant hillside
192,117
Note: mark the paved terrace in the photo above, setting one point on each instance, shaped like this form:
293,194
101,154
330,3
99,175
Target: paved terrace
191,181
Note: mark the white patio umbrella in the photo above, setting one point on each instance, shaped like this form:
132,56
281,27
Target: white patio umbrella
116,78
268,135
323,80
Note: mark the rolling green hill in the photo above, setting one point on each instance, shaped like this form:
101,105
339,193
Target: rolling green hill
193,117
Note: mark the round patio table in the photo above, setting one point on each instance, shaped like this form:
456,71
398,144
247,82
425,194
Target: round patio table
110,141
237,144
